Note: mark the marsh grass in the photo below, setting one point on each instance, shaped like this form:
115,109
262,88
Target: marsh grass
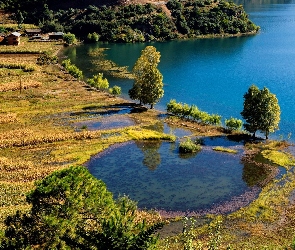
225,150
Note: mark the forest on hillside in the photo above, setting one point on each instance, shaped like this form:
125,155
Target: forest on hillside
135,22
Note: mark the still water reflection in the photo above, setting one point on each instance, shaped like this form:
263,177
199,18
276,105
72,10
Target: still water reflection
155,175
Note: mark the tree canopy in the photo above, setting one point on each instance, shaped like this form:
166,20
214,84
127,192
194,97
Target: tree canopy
148,84
71,209
261,111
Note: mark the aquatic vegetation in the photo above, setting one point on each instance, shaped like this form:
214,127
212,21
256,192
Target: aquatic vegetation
188,146
108,66
226,150
280,158
145,134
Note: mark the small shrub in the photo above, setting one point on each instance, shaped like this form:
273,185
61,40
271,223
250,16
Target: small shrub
233,124
97,81
69,38
116,90
45,59
188,146
92,37
72,69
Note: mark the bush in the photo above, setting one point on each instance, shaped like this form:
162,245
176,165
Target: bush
233,124
72,69
69,38
192,112
46,59
116,90
97,81
188,146
92,37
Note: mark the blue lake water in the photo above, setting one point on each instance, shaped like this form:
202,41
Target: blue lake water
215,73
157,176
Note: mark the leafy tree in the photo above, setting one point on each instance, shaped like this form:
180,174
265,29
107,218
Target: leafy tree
69,38
71,209
148,85
261,111
116,90
98,81
233,124
92,37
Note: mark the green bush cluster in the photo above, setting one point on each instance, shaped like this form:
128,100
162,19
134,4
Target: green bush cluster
92,37
98,82
72,69
116,90
192,113
69,38
189,146
233,124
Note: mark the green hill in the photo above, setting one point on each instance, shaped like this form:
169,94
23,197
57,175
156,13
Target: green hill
138,21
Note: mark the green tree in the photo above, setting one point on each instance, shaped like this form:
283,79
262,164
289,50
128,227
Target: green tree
233,124
71,209
116,90
261,111
69,38
148,85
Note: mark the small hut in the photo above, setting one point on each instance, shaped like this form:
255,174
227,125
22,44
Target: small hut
2,38
13,38
33,32
56,35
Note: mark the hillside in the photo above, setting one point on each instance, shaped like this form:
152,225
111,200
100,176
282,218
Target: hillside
136,20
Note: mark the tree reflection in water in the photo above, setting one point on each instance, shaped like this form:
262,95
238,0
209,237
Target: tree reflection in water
150,150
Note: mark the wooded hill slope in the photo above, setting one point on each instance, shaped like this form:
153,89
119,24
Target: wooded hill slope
135,20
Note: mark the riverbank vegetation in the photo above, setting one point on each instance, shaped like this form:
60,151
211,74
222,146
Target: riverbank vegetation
136,22
37,137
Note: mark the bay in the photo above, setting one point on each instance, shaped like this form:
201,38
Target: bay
215,73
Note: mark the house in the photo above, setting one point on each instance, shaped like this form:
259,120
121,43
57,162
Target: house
56,35
13,38
2,38
33,32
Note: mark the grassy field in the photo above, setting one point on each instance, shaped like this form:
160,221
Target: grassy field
36,138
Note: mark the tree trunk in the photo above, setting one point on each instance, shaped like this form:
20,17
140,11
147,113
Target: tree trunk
152,106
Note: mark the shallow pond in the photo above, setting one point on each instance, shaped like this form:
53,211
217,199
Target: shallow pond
158,177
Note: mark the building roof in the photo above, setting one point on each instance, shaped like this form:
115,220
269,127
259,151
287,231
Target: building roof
56,33
15,34
33,30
